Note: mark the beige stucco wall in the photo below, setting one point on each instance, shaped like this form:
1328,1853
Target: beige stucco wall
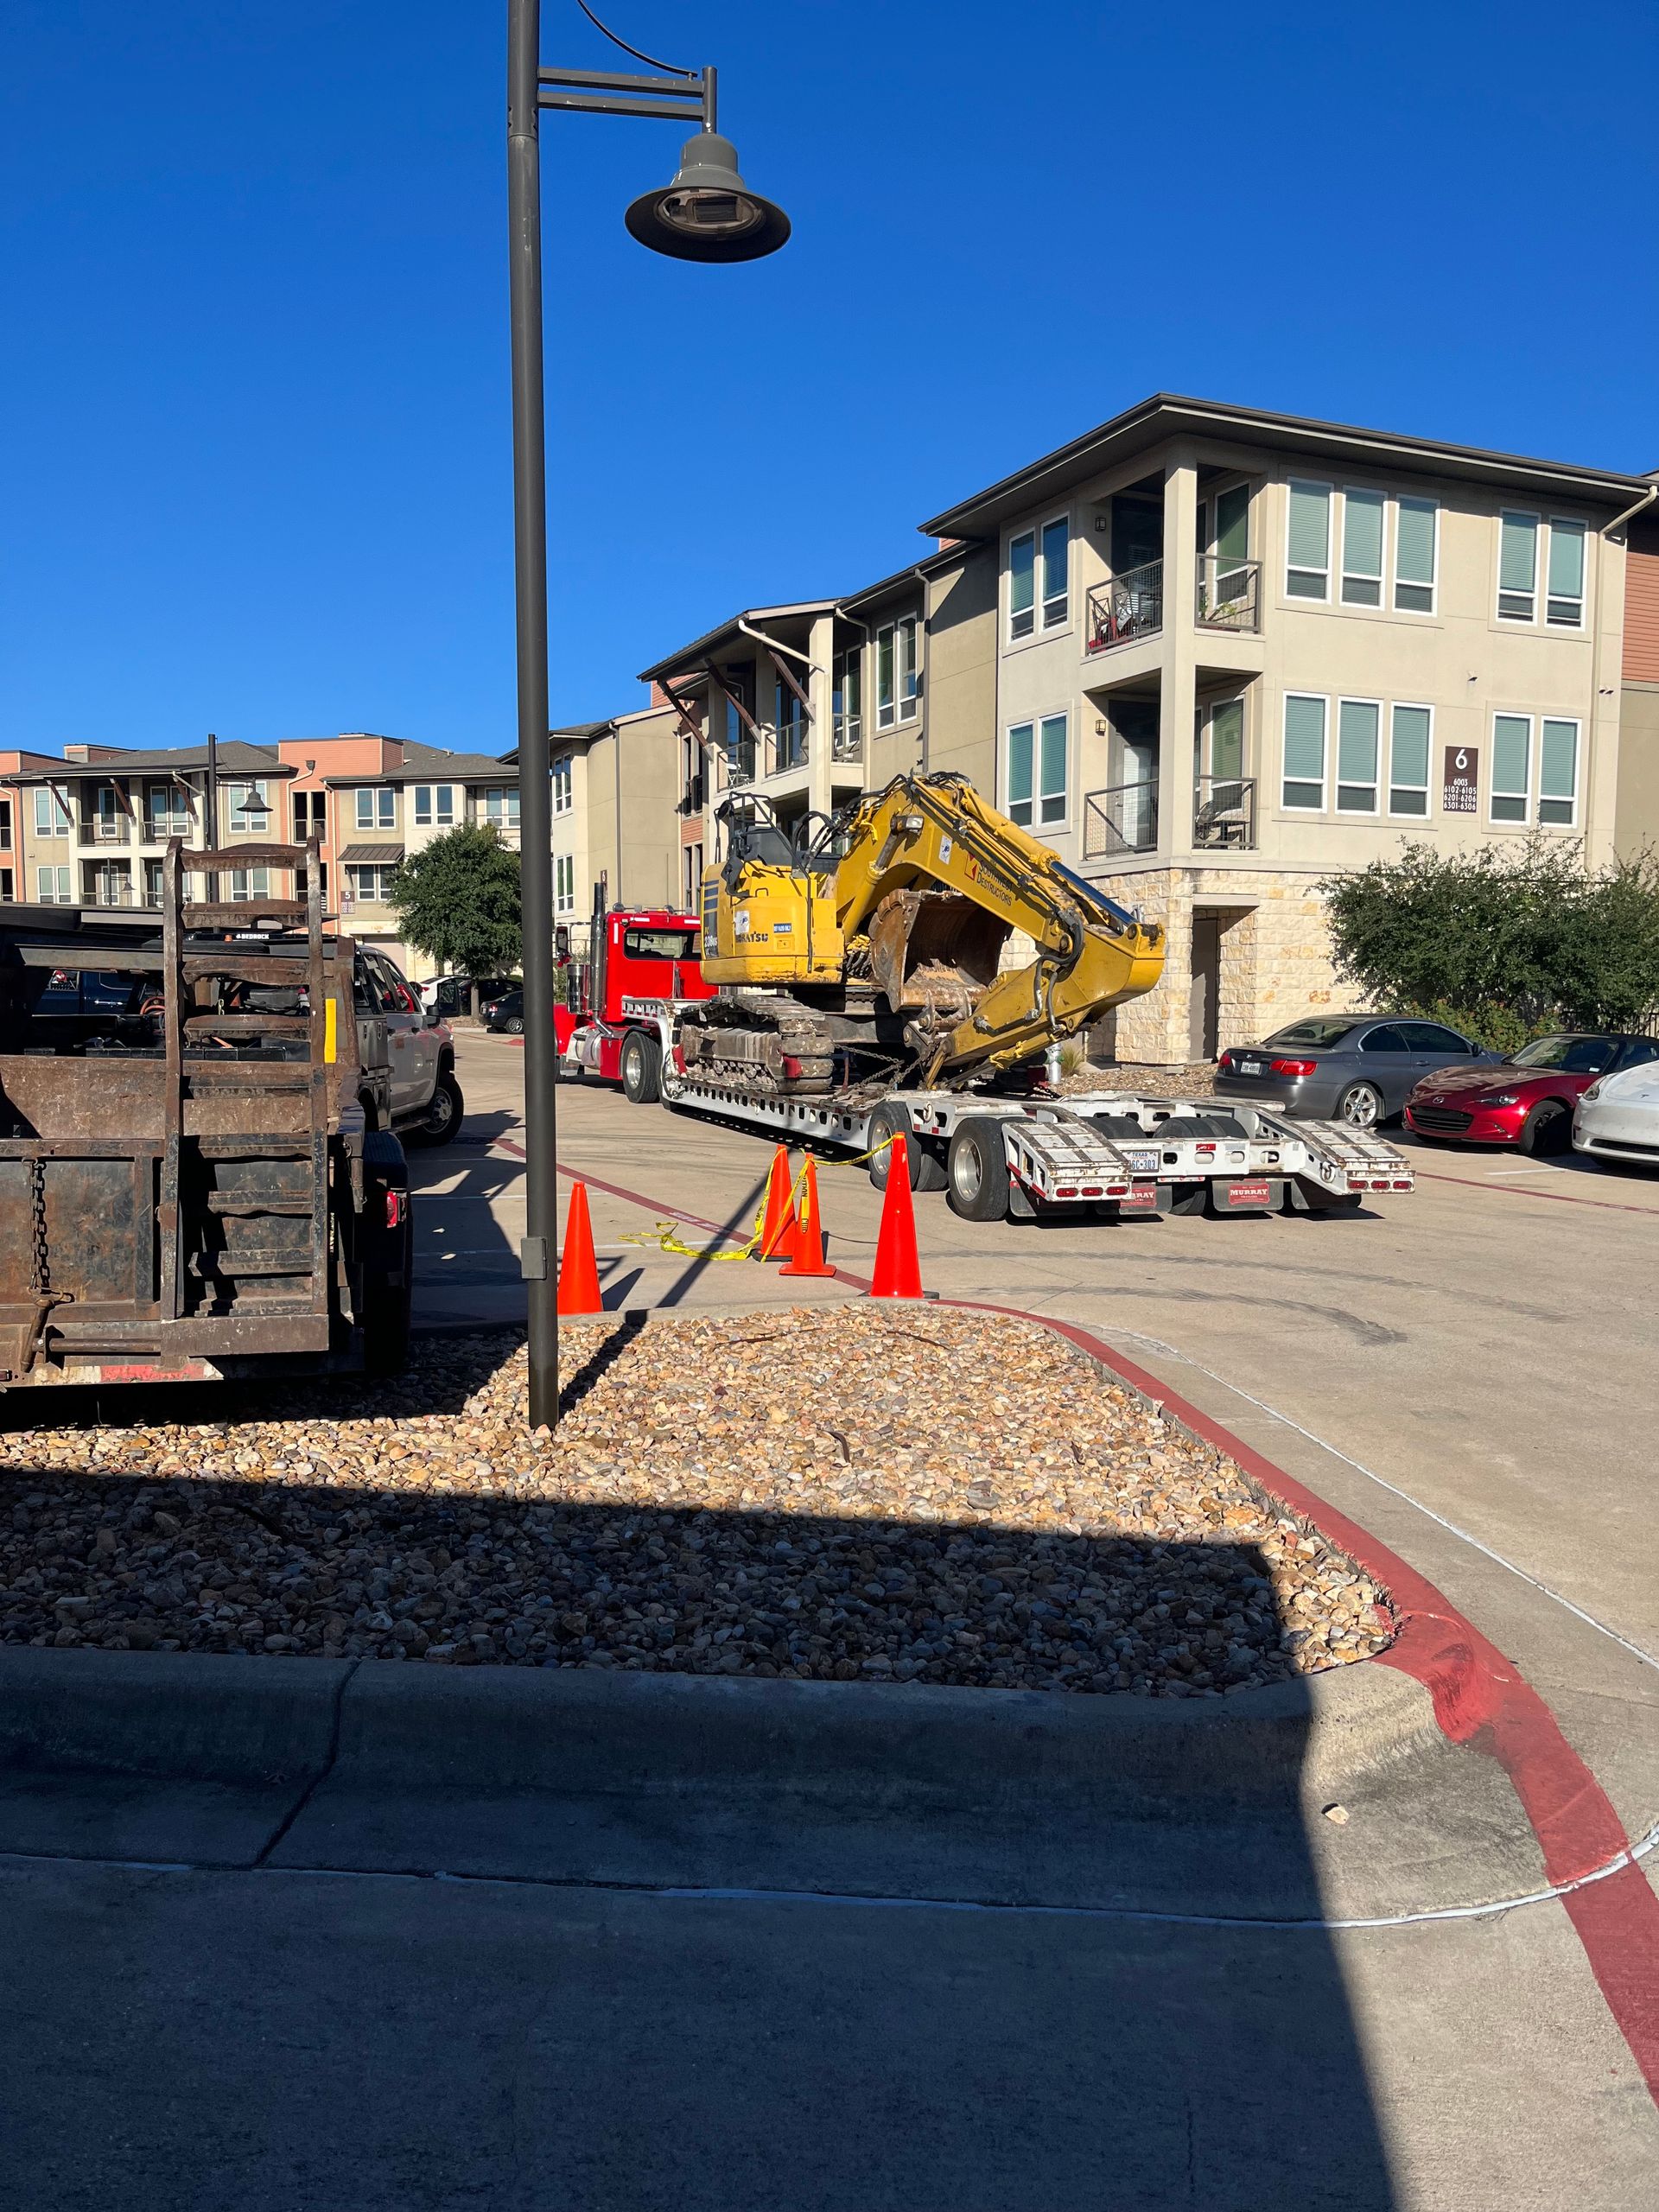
961,670
1636,816
640,763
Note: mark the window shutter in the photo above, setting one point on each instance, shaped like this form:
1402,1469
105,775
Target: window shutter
1304,741
1310,526
1410,755
1567,560
1356,725
1362,533
1413,554
1517,560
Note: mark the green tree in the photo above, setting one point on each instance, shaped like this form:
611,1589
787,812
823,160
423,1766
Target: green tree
457,900
1502,945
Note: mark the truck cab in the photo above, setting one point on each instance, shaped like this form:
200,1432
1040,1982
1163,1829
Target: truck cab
642,965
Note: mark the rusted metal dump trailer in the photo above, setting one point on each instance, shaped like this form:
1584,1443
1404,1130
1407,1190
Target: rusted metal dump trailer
189,1185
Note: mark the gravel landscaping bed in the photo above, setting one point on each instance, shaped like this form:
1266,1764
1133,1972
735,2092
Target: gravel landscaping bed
861,1492
1198,1081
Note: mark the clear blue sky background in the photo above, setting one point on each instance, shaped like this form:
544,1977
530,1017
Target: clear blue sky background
252,350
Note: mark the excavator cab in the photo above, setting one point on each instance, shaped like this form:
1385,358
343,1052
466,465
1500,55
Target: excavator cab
768,908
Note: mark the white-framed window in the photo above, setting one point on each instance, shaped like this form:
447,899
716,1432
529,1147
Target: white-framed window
1039,577
53,886
499,806
898,679
376,806
435,806
847,704
1359,732
1034,772
1411,745
167,813
1416,556
1302,787
51,811
1558,773
250,883
1362,514
370,882
247,806
1517,567
564,883
1512,766
1307,540
155,882
1022,584
1224,745
103,817
564,786
1564,574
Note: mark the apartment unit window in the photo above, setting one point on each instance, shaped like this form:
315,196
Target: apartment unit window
1416,545
51,886
51,812
377,807
1564,592
1307,572
1558,774
248,807
103,816
370,882
1511,761
1517,568
310,817
1227,740
154,882
564,883
167,813
691,878
500,806
897,681
1362,548
789,720
302,882
564,791
250,883
1519,551
1035,773
1039,564
435,804
1556,758
847,704
1304,776
5,825
1411,733
1359,723
7,894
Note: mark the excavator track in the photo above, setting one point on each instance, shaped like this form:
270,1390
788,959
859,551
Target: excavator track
760,1045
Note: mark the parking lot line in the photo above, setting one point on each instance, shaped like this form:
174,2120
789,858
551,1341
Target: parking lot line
1556,1197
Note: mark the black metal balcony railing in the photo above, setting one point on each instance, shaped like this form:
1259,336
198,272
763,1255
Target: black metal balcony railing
1223,813
789,747
739,763
1229,596
103,829
1126,607
1122,819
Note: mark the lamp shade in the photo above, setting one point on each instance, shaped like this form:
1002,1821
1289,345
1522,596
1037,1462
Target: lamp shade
708,212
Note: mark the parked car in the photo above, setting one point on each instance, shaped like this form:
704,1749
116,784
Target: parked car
505,1015
1358,1068
416,1070
1526,1100
1618,1118
448,996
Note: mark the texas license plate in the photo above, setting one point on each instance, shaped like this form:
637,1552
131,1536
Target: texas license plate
1142,1163
1252,1067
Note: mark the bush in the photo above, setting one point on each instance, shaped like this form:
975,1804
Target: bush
1502,945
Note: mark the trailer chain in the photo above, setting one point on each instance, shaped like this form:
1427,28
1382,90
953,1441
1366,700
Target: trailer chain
40,1281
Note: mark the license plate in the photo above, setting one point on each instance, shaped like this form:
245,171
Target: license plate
1252,1067
1246,1194
1142,1163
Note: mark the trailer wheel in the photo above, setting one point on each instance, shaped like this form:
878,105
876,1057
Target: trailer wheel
977,1169
926,1168
388,1257
642,1069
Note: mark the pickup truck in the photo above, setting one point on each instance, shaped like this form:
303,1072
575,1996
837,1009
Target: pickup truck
408,1054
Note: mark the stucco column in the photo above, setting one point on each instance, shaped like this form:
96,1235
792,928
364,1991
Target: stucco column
1176,756
821,645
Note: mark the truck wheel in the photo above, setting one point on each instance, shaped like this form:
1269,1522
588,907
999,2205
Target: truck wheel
441,1124
642,1068
926,1168
977,1170
388,1258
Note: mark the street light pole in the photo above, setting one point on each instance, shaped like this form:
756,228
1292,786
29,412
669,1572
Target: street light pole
535,766
706,212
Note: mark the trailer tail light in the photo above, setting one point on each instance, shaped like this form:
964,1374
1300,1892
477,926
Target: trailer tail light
1379,1182
395,1209
792,1068
1066,1190
1293,1067
1402,1183
1090,1190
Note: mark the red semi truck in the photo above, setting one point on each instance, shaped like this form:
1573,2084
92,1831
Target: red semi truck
623,998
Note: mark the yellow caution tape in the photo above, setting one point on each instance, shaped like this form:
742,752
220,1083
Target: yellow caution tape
664,1237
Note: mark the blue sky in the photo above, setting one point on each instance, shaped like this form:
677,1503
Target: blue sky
253,357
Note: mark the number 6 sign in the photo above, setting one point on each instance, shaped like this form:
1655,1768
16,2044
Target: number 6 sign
1460,792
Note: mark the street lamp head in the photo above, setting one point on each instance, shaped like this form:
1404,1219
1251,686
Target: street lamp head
708,212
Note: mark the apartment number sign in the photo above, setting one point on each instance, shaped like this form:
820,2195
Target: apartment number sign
1461,792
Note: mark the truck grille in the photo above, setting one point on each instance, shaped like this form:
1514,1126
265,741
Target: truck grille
1440,1121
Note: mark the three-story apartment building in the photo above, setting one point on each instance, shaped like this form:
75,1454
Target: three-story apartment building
1236,652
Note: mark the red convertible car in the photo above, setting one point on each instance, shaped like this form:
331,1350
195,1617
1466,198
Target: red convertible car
1527,1101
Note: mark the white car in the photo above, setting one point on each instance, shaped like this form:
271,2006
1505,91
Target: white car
1618,1118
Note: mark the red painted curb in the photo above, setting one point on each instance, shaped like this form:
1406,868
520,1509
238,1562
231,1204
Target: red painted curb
1554,1198
1481,1701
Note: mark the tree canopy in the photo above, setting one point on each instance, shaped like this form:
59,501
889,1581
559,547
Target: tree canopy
457,900
1503,944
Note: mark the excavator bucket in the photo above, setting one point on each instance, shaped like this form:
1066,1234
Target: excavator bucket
934,951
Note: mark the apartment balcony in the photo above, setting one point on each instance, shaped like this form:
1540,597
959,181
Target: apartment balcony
693,797
1125,608
1230,594
846,738
1122,819
100,835
1223,814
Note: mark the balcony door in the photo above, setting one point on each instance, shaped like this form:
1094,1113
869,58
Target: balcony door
1135,727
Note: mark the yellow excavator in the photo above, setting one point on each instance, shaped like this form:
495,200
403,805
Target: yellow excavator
866,948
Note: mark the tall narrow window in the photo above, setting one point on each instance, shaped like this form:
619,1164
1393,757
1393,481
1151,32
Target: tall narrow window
1408,748
1307,573
1362,548
887,689
1232,522
1304,778
847,704
1511,756
1018,775
1050,769
564,883
1564,601
1227,740
1358,723
1415,534
1558,774
1057,558
563,785
1517,568
910,677
1022,585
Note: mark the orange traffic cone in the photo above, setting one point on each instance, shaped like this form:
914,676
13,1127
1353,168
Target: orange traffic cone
579,1270
808,1238
778,1226
898,1265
